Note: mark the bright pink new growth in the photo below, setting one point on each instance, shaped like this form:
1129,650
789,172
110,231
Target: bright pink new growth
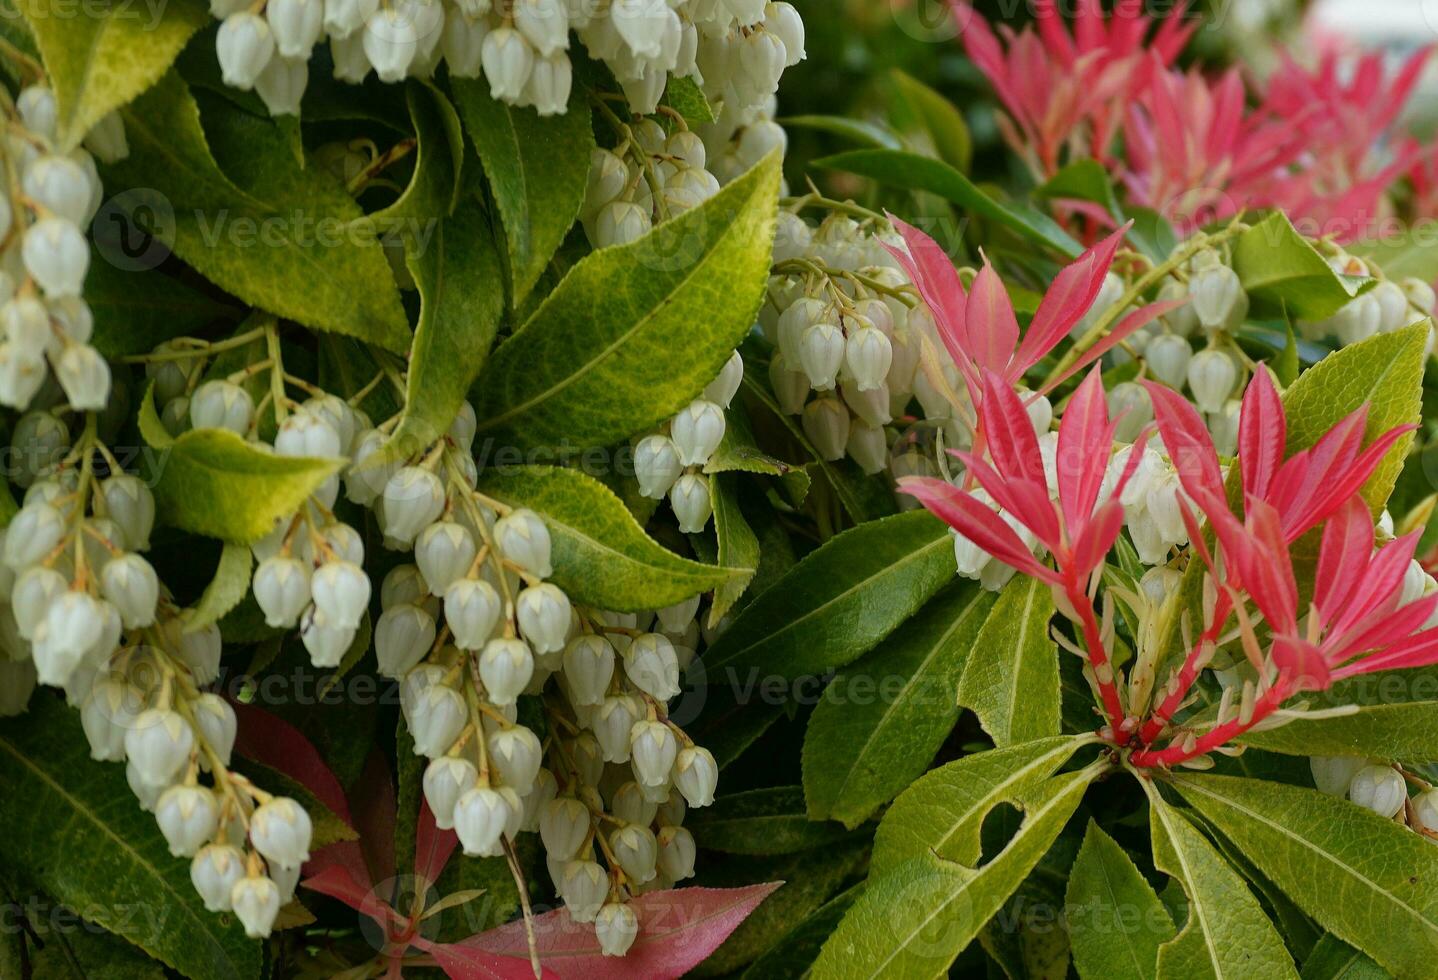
1065,90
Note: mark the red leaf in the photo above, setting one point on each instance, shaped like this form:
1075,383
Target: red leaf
271,741
432,846
339,883
677,930
465,961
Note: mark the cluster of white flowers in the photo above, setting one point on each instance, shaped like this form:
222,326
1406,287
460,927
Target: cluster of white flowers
85,612
649,177
1388,306
844,333
1377,786
735,49
47,201
670,463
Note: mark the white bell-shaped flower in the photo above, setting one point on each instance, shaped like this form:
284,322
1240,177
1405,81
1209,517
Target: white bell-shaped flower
516,753
413,499
216,722
132,587
187,816
653,749
564,826
131,505
471,609
446,779
588,668
636,850
326,640
826,422
256,902
280,830
505,667
200,650
214,872
61,185
1212,375
697,431
306,433
444,552
341,590
57,256
158,745
437,718
543,612
1332,774
222,405
108,712
696,774
244,45
296,25
84,376
656,465
524,540
725,386
403,635
583,885
480,816
619,223
821,352
616,927
38,110
652,666
676,853
1378,788
692,502
34,532
508,59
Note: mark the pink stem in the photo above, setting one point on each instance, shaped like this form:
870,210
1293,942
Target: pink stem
1187,674
1098,658
1175,755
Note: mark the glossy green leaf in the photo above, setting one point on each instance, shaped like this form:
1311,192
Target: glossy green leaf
597,362
1281,270
537,168
1333,959
212,482
461,303
137,310
1409,252
1011,680
685,97
46,941
927,119
100,56
279,237
914,918
1385,731
761,821
944,811
601,558
738,546
1115,920
1367,880
856,130
792,956
881,720
1226,935
838,602
72,827
914,172
433,189
226,589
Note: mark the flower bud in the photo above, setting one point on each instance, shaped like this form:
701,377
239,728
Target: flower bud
214,872
1420,294
725,386
132,587
280,830
636,850
583,886
508,60
1218,298
524,540
1332,774
341,590
35,531
821,352
256,901
676,853
613,721
697,431
296,25
1378,788
653,748
868,445
826,422
1211,377
222,405
215,720
200,651
588,667
412,689
505,666
38,110
471,609
158,745
446,779
1425,810
187,816
616,927
1168,356
57,256
435,721
619,223
131,505
413,499
652,666
544,613
244,45
564,827
868,355
696,775
60,185
515,752
691,502
656,465
403,635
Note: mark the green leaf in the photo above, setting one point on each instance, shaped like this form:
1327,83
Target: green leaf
792,956
1082,180
685,97
597,362
881,720
1385,373
461,303
226,589
914,172
761,821
276,236
1226,934
46,941
1387,731
738,546
944,811
329,828
537,168
857,130
1012,678
212,482
1409,252
136,310
434,187
1333,959
72,828
1367,880
100,56
602,558
839,601
915,918
926,118
1115,921
1280,269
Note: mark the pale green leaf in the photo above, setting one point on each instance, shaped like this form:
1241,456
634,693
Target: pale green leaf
1386,731
1011,680
537,168
944,811
738,546
859,131
916,917
602,558
225,591
598,362
1409,252
838,602
72,828
1226,935
882,719
1115,921
1281,269
928,120
685,97
100,56
434,187
761,821
1367,880
1333,959
277,236
461,303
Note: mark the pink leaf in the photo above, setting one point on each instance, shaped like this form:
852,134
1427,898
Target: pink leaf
432,846
466,961
339,883
1262,433
271,741
678,929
